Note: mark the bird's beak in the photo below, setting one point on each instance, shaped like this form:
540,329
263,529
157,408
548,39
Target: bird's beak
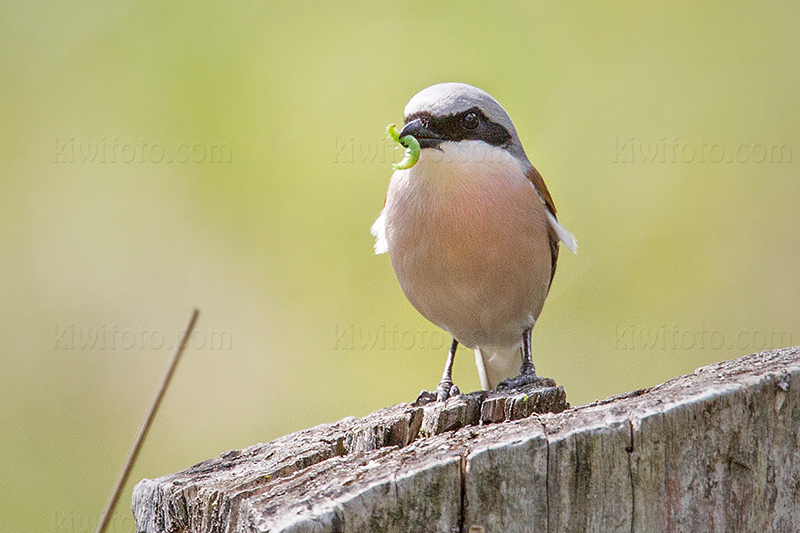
427,137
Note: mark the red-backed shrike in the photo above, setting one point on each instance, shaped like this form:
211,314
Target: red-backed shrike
471,231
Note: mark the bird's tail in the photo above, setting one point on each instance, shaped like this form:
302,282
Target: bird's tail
496,364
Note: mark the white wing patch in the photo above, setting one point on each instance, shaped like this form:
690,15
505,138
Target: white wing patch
378,229
563,235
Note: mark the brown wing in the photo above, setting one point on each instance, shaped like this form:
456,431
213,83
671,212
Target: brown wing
536,178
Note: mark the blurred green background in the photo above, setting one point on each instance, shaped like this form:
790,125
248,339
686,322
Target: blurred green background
159,156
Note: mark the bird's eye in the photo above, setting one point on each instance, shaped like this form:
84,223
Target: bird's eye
470,120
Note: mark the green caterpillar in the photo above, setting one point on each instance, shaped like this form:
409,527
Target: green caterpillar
411,145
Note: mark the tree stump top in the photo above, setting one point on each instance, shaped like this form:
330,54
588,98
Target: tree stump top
698,450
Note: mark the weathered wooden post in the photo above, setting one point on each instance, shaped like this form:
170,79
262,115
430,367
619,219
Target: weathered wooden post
717,450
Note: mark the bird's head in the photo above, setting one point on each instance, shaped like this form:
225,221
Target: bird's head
455,112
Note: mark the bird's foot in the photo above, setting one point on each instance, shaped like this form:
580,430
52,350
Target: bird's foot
443,391
527,376
446,390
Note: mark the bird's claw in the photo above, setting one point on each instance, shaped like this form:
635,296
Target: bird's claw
527,376
446,390
443,391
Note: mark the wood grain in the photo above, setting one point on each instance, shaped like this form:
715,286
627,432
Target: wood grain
716,450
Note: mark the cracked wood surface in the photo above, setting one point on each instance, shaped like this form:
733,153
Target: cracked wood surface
716,450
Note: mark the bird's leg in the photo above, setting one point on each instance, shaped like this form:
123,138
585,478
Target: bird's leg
446,389
527,372
527,357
